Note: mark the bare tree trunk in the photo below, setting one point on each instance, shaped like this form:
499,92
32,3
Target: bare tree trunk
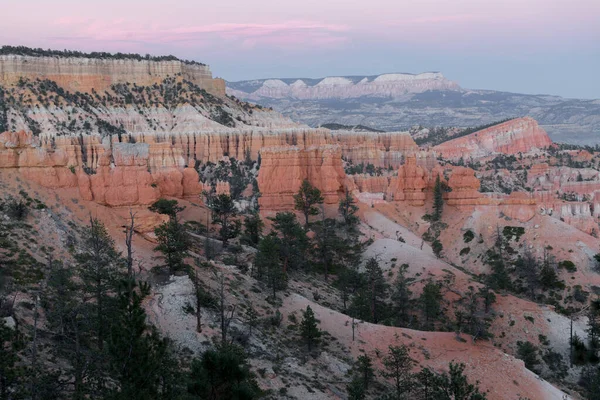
198,302
34,350
225,319
128,242
571,341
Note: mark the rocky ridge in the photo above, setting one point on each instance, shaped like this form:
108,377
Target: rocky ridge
521,135
386,85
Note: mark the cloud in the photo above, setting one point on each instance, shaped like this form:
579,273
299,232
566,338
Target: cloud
247,35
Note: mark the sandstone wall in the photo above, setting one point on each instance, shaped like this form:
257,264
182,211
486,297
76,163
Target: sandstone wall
520,135
284,168
83,74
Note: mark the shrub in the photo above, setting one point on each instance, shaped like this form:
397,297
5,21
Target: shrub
568,265
527,352
16,209
468,236
465,251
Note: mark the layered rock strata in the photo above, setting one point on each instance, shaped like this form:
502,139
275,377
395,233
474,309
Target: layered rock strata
81,74
284,168
520,135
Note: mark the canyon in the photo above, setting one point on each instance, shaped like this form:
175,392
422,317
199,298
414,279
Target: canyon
108,138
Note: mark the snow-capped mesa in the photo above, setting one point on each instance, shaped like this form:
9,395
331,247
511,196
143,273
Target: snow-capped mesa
341,87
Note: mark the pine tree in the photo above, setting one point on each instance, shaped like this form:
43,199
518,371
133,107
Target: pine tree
173,243
268,266
141,361
355,389
398,366
364,370
291,239
100,267
309,329
223,211
222,373
11,383
590,379
253,227
430,302
438,200
455,385
401,298
369,304
305,200
348,210
166,207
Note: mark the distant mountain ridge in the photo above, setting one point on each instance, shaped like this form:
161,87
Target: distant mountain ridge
396,102
332,87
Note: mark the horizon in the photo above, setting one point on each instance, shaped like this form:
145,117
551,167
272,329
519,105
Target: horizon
529,47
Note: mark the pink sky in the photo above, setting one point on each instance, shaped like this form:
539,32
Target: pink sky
259,38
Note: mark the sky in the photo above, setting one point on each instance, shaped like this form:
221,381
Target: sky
524,46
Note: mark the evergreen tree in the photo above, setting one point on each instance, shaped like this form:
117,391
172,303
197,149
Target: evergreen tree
73,332
100,267
140,360
330,248
355,389
548,277
438,200
593,328
369,303
166,207
364,370
401,298
488,296
309,329
499,279
527,352
590,380
291,239
268,264
425,382
398,366
455,385
173,243
529,270
348,210
430,302
253,227
223,211
11,376
306,199
222,373
437,248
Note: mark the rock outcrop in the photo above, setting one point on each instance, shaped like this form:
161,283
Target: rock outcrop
82,74
520,135
284,168
464,188
410,184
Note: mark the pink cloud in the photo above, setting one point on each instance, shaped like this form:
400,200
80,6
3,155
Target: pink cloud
249,35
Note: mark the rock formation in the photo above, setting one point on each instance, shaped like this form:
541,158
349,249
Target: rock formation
284,168
464,188
82,74
521,135
410,184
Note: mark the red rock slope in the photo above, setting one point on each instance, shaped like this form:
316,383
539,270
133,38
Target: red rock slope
520,135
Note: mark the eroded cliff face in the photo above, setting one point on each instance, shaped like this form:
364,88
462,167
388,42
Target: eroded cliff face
113,174
521,135
284,168
84,74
